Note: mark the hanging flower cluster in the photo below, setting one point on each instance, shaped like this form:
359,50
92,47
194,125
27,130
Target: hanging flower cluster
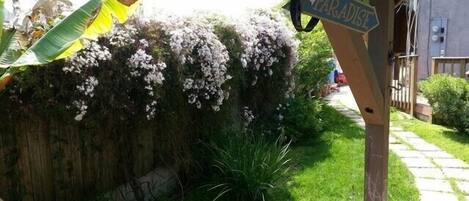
89,57
97,62
140,63
265,38
199,50
84,61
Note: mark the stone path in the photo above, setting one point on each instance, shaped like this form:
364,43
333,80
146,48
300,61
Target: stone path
438,174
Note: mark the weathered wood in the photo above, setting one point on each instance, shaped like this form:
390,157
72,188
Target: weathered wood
453,62
435,67
377,135
24,162
413,85
355,61
462,69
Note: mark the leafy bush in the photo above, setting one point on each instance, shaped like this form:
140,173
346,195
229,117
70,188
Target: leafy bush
246,166
449,98
303,118
313,68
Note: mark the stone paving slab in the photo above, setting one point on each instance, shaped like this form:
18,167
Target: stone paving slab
409,154
428,173
418,163
437,185
393,140
450,163
405,134
395,129
437,196
456,173
425,147
436,154
463,186
398,147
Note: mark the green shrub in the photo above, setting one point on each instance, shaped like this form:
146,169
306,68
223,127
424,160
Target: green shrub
246,166
303,118
313,67
449,98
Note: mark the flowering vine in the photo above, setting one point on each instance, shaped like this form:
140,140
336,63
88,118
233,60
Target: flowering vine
142,62
265,37
199,50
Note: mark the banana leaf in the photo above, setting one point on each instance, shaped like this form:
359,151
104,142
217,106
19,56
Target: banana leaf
10,46
88,22
2,17
64,39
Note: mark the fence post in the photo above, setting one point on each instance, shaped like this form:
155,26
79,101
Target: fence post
413,85
463,68
434,66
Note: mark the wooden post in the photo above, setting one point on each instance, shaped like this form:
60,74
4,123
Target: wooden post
413,85
462,69
434,66
377,135
354,59
368,70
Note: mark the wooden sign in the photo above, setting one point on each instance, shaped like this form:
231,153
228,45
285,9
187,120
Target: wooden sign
353,14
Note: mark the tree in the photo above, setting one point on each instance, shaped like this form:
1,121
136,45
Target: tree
64,39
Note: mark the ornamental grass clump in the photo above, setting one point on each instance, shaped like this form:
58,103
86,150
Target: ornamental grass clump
246,166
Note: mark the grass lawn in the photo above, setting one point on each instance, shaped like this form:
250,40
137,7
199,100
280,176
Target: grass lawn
331,168
447,139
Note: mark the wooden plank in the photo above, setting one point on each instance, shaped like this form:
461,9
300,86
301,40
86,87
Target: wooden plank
462,69
354,59
452,68
413,85
377,135
407,84
434,66
24,166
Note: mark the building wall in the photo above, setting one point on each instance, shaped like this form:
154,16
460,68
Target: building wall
457,32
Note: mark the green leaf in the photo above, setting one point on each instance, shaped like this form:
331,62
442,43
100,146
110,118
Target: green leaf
88,22
10,47
2,17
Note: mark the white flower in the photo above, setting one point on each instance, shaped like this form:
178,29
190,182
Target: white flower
194,43
82,107
88,87
248,116
265,37
144,43
89,57
142,64
122,36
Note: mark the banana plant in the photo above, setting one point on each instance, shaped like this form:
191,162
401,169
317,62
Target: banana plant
89,21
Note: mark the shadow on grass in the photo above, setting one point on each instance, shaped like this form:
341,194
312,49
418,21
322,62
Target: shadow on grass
305,154
457,136
313,151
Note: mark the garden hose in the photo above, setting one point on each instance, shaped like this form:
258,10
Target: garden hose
295,13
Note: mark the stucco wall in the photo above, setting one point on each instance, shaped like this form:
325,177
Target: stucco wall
457,12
